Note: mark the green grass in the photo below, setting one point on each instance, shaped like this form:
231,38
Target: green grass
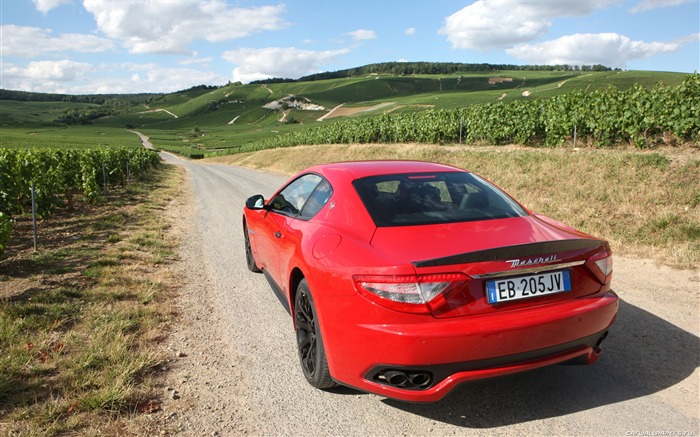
34,114
66,137
80,347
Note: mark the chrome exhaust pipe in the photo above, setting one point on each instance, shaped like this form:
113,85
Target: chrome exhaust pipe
396,378
419,379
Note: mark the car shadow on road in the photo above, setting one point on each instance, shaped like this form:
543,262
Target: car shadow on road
643,355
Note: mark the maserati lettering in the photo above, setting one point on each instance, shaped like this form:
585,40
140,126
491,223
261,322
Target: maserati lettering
532,261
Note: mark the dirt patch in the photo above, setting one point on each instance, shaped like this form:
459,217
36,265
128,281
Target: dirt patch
344,111
495,80
24,272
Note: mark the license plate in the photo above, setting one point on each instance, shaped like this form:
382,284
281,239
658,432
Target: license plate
524,287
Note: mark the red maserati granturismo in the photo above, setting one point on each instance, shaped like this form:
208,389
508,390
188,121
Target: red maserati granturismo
406,278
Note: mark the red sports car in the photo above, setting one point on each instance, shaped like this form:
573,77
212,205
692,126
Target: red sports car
406,278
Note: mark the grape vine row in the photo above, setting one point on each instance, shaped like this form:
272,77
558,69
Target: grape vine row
59,174
606,117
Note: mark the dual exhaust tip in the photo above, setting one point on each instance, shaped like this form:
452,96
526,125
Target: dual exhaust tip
413,379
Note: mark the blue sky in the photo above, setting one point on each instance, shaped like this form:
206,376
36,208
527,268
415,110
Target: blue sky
131,46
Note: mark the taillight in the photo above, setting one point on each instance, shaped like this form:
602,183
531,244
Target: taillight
409,293
602,266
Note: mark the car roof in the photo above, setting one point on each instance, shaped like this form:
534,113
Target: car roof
360,169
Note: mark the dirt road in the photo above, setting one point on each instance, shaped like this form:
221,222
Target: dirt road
235,369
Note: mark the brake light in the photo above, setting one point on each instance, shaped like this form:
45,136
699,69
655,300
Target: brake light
603,265
409,293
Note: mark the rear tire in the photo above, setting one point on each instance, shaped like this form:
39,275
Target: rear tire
249,258
312,353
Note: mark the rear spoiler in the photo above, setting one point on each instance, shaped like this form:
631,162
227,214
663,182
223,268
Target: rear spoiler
518,251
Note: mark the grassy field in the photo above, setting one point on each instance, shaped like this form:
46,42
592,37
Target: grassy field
244,103
646,204
32,124
201,118
72,136
82,318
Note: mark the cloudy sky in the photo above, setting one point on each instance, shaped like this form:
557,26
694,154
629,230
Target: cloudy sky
130,46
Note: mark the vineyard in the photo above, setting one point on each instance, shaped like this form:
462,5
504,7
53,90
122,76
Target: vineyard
641,116
59,175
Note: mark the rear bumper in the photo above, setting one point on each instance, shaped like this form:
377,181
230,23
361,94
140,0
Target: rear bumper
457,350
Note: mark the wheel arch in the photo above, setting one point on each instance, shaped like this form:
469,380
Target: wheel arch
294,279
244,223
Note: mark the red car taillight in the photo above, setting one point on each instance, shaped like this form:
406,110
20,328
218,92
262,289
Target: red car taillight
409,293
602,266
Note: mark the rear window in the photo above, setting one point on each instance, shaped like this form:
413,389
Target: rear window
431,198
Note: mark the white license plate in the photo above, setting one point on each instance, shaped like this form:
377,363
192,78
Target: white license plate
523,287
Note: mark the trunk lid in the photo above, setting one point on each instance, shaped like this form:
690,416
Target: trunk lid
489,251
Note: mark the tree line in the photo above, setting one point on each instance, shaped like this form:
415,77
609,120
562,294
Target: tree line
97,99
411,68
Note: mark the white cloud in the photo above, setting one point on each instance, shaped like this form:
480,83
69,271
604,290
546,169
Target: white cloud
160,26
44,6
609,49
195,61
694,37
647,5
257,64
485,25
174,79
30,42
410,31
362,34
66,77
45,72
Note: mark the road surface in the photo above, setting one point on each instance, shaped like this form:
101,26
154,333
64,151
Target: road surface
237,372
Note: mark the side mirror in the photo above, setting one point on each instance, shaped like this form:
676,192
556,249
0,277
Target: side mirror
255,202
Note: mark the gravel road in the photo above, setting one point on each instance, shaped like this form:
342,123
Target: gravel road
235,371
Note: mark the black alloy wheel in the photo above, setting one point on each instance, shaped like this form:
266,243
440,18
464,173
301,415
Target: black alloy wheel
312,354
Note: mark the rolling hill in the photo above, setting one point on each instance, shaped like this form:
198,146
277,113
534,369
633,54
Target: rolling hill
224,119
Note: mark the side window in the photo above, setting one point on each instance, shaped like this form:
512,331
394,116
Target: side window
319,198
292,198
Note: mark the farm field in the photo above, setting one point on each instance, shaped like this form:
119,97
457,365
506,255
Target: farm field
33,124
232,118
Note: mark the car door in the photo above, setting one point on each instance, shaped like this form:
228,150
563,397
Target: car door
280,239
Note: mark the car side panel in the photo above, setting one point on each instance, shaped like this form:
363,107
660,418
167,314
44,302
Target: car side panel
265,242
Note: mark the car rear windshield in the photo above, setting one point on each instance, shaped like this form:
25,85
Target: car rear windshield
431,198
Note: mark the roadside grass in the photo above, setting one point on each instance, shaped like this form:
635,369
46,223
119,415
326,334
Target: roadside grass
647,204
82,318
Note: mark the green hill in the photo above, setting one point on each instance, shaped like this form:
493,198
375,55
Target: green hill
229,117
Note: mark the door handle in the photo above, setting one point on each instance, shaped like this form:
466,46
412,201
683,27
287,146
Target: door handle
278,234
